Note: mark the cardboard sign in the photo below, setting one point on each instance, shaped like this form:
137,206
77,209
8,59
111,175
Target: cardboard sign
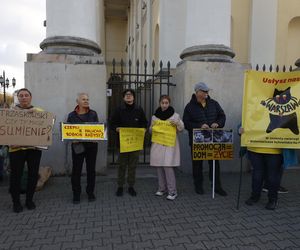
271,109
164,133
212,144
26,127
131,139
83,132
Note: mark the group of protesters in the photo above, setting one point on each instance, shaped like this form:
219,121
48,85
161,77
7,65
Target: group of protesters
201,112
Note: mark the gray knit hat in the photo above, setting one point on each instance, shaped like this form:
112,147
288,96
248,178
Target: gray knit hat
201,86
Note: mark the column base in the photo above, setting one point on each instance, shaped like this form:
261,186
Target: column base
208,53
70,45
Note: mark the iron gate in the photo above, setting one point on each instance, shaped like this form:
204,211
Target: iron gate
149,83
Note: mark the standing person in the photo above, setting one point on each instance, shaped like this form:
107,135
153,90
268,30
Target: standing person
203,112
83,150
165,158
128,115
18,156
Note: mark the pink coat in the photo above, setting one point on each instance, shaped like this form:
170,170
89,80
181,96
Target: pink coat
163,156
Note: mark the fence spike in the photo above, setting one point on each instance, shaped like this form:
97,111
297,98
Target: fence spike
284,68
161,64
277,68
153,63
129,62
291,68
138,63
145,64
270,68
264,68
257,67
114,62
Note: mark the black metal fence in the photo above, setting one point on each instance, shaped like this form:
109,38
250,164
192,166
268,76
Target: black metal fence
274,69
149,81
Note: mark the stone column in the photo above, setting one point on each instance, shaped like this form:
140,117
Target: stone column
73,27
69,63
263,32
207,36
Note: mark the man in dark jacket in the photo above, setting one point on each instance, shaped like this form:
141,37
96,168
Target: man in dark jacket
131,116
203,112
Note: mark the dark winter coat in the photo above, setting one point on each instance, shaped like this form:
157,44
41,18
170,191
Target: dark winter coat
89,117
129,116
195,115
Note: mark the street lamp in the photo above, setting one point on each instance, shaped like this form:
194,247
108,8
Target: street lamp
5,84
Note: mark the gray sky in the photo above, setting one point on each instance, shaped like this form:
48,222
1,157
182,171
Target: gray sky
22,30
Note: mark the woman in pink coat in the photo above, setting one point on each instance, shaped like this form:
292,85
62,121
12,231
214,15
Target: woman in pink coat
165,158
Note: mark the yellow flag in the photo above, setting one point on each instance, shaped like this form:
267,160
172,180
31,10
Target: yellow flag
164,133
131,139
271,109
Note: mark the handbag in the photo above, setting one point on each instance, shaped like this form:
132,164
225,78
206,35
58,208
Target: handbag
78,148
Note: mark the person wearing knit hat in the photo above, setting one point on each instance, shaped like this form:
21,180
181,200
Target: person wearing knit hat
129,115
203,112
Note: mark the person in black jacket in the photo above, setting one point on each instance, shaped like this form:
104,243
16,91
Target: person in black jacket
203,112
131,116
83,150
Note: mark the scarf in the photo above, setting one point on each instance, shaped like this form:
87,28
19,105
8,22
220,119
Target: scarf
164,115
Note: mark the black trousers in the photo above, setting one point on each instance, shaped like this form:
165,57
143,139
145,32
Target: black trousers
90,156
17,162
198,172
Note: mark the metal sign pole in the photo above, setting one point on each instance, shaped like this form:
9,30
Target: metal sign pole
213,185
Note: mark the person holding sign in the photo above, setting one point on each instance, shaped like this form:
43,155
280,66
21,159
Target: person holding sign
83,150
165,151
203,112
18,156
127,119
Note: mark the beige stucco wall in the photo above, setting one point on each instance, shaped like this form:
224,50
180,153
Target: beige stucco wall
116,39
240,17
287,10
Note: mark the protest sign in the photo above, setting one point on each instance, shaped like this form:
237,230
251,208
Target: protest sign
164,133
83,132
131,139
270,115
212,144
26,127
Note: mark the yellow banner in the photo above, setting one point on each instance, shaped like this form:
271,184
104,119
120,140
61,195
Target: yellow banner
271,110
212,144
86,132
164,133
131,139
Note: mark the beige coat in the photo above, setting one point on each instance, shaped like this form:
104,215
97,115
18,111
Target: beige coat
163,156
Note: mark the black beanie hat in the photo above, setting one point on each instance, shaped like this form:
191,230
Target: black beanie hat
129,90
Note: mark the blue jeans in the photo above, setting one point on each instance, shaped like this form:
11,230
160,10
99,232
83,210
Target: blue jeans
265,166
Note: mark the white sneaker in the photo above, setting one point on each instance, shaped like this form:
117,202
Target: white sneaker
171,197
159,193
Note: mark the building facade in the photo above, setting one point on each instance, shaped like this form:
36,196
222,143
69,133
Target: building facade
208,40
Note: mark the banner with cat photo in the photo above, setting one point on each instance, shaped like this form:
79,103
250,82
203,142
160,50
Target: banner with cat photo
271,109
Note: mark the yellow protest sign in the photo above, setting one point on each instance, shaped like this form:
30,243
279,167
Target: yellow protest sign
86,132
271,109
212,144
131,139
164,133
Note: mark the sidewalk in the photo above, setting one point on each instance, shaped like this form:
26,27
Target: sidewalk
148,222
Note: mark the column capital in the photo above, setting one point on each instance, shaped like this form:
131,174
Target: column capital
208,53
70,45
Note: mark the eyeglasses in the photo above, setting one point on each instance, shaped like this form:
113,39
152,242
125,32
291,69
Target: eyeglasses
128,94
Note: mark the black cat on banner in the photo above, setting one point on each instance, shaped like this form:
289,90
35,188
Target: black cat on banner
282,108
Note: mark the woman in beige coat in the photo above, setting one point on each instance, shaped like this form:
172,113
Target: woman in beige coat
165,158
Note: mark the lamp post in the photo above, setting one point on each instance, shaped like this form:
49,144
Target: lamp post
5,84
